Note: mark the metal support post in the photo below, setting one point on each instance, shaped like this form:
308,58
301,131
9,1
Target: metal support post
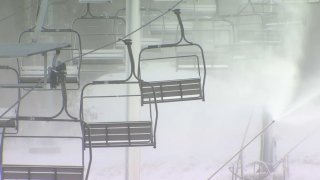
132,23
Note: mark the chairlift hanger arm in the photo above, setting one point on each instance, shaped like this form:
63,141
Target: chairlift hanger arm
182,31
128,43
88,12
89,15
179,93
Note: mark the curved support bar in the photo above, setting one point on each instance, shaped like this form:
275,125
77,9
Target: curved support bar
128,43
156,119
90,151
177,13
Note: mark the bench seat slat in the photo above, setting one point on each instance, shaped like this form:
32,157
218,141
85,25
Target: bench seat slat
124,130
132,137
42,172
171,90
120,144
118,134
171,82
175,99
120,124
176,87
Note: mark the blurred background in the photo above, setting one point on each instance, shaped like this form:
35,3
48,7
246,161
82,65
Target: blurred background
261,59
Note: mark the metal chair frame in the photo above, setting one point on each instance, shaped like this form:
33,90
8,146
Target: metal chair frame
125,134
231,33
78,61
179,84
89,16
119,134
34,172
149,10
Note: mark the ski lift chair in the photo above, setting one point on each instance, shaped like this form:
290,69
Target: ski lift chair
172,89
25,50
32,71
60,76
5,121
216,35
37,140
150,35
45,150
118,133
57,77
121,133
44,130
252,26
95,32
266,14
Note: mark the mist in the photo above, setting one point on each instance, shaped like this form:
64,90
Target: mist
256,65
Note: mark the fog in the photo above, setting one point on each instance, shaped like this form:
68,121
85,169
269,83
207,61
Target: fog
257,63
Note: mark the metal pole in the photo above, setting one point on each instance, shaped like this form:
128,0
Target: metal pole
133,23
243,148
267,148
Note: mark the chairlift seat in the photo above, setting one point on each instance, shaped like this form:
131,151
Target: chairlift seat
24,151
31,172
120,134
171,90
33,74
